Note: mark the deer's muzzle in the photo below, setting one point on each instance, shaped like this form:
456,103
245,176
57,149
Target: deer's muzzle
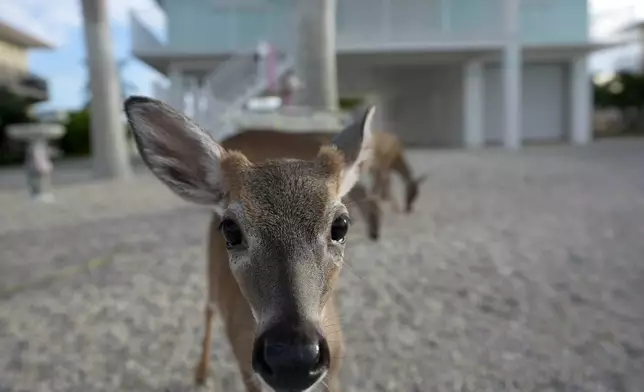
291,357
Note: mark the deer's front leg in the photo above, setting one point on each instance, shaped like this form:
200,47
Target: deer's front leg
240,328
335,339
203,367
386,193
368,207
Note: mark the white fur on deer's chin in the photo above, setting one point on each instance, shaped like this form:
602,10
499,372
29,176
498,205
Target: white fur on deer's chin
315,387
318,384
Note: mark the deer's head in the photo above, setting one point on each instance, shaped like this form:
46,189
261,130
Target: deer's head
283,222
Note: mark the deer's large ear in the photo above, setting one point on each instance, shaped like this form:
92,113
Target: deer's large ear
355,144
178,152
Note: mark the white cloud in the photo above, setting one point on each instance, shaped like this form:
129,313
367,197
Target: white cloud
608,18
54,20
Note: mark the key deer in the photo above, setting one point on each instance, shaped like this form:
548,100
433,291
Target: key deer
276,241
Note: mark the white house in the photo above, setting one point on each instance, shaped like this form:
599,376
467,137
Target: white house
441,72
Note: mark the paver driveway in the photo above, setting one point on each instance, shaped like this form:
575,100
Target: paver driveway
518,271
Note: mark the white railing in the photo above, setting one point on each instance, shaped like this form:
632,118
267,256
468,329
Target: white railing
292,119
228,88
360,24
408,23
219,104
232,78
369,24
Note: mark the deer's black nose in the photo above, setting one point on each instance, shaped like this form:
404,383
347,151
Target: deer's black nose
291,358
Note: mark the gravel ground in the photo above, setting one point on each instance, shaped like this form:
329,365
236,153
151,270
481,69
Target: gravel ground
518,272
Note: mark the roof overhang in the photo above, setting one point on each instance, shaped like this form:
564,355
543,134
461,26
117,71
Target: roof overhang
492,51
400,55
197,62
18,37
568,50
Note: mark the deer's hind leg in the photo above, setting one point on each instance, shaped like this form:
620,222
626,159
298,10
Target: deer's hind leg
386,194
368,207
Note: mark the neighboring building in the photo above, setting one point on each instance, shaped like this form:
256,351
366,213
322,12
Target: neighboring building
441,72
14,72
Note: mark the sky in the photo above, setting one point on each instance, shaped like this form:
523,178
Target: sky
60,22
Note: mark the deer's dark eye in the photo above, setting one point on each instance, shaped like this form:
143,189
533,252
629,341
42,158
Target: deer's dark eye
339,228
231,232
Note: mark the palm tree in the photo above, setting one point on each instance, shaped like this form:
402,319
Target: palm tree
109,145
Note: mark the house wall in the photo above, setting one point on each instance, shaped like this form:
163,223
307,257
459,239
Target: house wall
421,104
540,21
554,21
424,104
427,105
545,102
200,26
13,56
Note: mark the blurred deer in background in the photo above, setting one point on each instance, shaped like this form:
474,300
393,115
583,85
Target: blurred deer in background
388,156
262,144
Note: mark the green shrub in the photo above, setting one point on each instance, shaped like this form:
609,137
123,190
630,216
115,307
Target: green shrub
350,103
77,140
13,110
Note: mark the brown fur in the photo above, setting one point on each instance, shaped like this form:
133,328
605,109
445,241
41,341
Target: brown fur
252,188
273,267
223,289
388,156
303,146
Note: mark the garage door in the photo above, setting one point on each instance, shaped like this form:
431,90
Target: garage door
543,103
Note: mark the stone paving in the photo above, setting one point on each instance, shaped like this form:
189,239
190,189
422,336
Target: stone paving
519,271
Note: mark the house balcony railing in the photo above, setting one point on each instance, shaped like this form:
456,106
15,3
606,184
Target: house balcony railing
361,25
391,24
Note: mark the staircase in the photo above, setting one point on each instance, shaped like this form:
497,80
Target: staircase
224,92
228,87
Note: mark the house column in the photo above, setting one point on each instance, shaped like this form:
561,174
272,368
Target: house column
512,77
581,102
176,96
380,120
473,92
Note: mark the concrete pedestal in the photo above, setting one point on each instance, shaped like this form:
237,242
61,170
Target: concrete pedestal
38,165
